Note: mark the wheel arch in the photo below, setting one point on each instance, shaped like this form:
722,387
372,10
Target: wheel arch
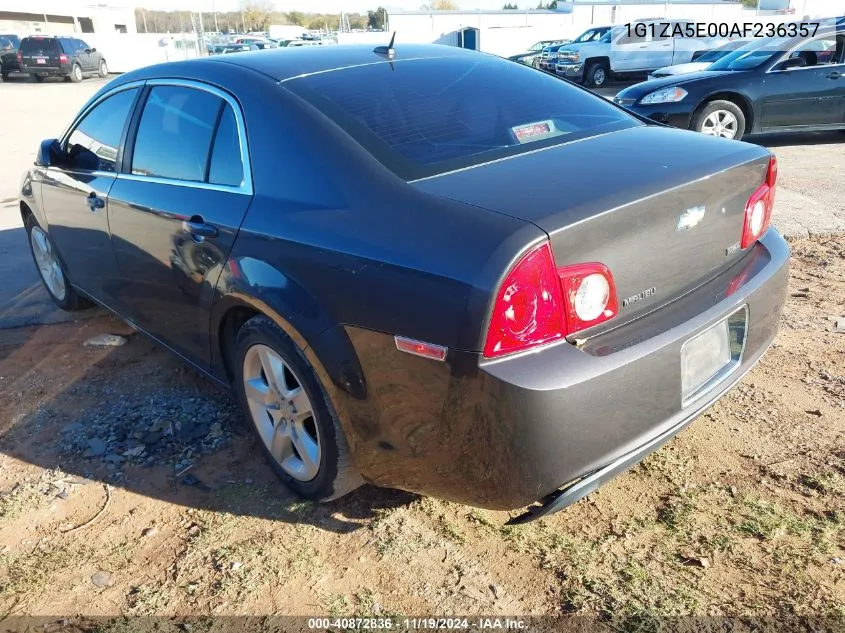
602,59
742,102
324,344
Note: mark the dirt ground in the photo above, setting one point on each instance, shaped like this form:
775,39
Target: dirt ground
130,485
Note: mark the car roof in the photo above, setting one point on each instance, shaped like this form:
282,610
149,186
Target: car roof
287,63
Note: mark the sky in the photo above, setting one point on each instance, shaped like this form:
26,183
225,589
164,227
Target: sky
315,6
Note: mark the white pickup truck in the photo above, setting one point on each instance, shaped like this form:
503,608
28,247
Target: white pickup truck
630,50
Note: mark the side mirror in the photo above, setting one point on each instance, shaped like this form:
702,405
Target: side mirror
49,153
93,50
792,62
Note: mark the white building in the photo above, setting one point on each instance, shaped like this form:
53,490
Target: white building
64,17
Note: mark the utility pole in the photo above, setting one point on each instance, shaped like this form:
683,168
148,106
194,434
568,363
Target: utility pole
214,11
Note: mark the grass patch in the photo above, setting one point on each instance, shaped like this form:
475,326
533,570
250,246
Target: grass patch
825,483
148,600
336,605
33,571
450,530
768,521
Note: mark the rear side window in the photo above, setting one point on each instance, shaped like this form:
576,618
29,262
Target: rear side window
426,116
93,144
226,167
39,45
175,133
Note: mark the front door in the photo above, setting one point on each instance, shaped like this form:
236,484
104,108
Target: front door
812,94
86,59
75,194
175,214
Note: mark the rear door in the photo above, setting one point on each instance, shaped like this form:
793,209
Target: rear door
176,211
75,194
630,51
662,50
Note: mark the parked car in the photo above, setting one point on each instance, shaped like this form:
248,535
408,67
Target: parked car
622,53
700,60
767,85
237,48
548,58
259,42
532,55
367,270
43,56
9,44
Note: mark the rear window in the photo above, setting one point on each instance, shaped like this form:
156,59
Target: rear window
39,45
428,116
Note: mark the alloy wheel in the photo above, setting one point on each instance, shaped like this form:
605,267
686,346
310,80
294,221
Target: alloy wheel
77,73
599,76
720,123
282,413
48,265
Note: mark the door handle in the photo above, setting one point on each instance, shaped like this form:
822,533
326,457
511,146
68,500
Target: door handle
643,46
95,202
834,75
197,227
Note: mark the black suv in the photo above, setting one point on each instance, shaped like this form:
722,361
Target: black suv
9,44
68,57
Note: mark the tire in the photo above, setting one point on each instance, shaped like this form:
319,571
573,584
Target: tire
103,70
5,76
720,118
75,74
261,343
55,281
39,78
596,74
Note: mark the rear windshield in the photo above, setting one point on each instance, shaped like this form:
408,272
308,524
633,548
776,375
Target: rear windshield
39,45
421,117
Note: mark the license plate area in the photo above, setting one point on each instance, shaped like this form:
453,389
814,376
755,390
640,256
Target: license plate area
40,60
712,355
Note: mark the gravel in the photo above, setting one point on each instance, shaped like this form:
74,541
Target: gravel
173,427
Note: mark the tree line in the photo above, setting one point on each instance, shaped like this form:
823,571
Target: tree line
252,18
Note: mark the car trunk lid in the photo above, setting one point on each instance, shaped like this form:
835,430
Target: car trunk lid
662,208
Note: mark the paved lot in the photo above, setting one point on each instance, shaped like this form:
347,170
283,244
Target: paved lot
809,198
30,113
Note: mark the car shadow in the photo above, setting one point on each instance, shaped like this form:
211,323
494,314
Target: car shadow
797,138
138,418
92,423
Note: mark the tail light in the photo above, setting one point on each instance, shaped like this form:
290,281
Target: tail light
589,295
63,59
538,303
20,57
758,210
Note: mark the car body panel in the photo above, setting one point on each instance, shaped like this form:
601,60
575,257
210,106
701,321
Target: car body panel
344,256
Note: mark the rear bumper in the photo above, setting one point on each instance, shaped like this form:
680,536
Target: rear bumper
589,413
48,71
